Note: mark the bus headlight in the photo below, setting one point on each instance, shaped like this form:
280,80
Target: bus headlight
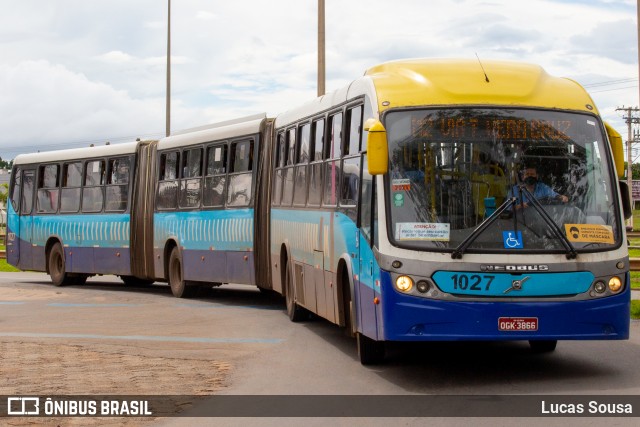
615,284
600,287
404,283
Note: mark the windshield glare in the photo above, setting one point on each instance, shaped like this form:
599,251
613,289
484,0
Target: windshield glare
451,169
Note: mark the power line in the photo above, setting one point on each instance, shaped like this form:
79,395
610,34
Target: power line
611,90
610,82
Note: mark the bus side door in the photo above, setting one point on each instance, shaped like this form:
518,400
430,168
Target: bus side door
25,230
368,292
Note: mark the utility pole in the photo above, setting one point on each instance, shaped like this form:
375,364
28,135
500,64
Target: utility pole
168,107
321,49
630,119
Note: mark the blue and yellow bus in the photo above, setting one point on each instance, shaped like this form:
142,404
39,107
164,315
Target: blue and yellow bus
403,208
428,200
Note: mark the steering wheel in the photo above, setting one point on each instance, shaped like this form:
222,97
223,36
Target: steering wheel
550,201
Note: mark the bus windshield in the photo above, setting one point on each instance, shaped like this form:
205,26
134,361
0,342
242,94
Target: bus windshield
452,169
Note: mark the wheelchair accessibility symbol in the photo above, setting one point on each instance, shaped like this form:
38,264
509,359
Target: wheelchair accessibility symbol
512,239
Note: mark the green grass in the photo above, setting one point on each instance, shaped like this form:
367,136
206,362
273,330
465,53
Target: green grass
635,309
4,266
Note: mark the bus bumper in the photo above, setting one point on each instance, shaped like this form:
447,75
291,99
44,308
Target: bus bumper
409,318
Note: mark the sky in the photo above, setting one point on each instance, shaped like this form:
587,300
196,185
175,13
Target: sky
77,72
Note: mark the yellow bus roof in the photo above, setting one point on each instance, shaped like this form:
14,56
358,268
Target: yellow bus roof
421,82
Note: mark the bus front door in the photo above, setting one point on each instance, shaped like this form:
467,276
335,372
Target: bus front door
25,229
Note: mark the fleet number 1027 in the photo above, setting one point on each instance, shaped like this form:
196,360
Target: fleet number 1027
473,282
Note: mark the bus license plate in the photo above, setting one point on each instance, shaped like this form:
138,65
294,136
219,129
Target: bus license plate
517,324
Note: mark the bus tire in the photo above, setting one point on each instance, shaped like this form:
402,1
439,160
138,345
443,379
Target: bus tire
179,287
57,268
294,311
543,346
370,352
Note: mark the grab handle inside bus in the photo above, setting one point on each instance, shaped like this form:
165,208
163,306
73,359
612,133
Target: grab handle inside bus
377,151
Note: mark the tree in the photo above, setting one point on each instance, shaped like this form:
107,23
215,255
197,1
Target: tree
4,192
5,165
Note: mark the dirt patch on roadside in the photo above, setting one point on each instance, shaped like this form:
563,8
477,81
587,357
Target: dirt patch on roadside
42,369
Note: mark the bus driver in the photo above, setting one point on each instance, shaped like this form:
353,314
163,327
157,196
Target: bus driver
538,189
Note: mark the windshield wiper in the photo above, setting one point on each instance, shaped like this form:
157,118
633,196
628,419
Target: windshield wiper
462,247
571,251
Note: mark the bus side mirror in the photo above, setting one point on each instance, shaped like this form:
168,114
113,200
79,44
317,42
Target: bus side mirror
377,150
626,199
616,148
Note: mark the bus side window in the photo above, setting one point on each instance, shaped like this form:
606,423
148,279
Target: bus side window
240,177
287,172
216,178
92,192
48,193
302,159
168,185
71,182
16,177
117,190
351,162
27,192
278,176
332,165
315,168
191,184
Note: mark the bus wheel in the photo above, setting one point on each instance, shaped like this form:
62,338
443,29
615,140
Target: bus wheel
179,287
370,352
294,311
57,269
543,346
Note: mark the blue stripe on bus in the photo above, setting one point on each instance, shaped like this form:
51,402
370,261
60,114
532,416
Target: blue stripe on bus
103,230
224,230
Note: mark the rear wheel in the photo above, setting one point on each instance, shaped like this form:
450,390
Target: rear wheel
179,287
371,352
543,346
294,311
57,268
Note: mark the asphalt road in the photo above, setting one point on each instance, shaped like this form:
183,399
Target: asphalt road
245,341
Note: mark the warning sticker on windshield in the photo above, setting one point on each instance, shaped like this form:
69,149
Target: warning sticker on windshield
589,233
401,185
435,232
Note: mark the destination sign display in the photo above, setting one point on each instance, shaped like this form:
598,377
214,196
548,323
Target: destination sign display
469,126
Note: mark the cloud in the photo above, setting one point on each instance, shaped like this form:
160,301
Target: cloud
46,106
615,40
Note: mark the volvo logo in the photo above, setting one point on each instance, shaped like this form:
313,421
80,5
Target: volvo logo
532,267
516,285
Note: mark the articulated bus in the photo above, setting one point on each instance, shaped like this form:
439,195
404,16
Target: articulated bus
429,200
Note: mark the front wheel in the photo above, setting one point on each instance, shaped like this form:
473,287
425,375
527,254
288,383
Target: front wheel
179,287
371,352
